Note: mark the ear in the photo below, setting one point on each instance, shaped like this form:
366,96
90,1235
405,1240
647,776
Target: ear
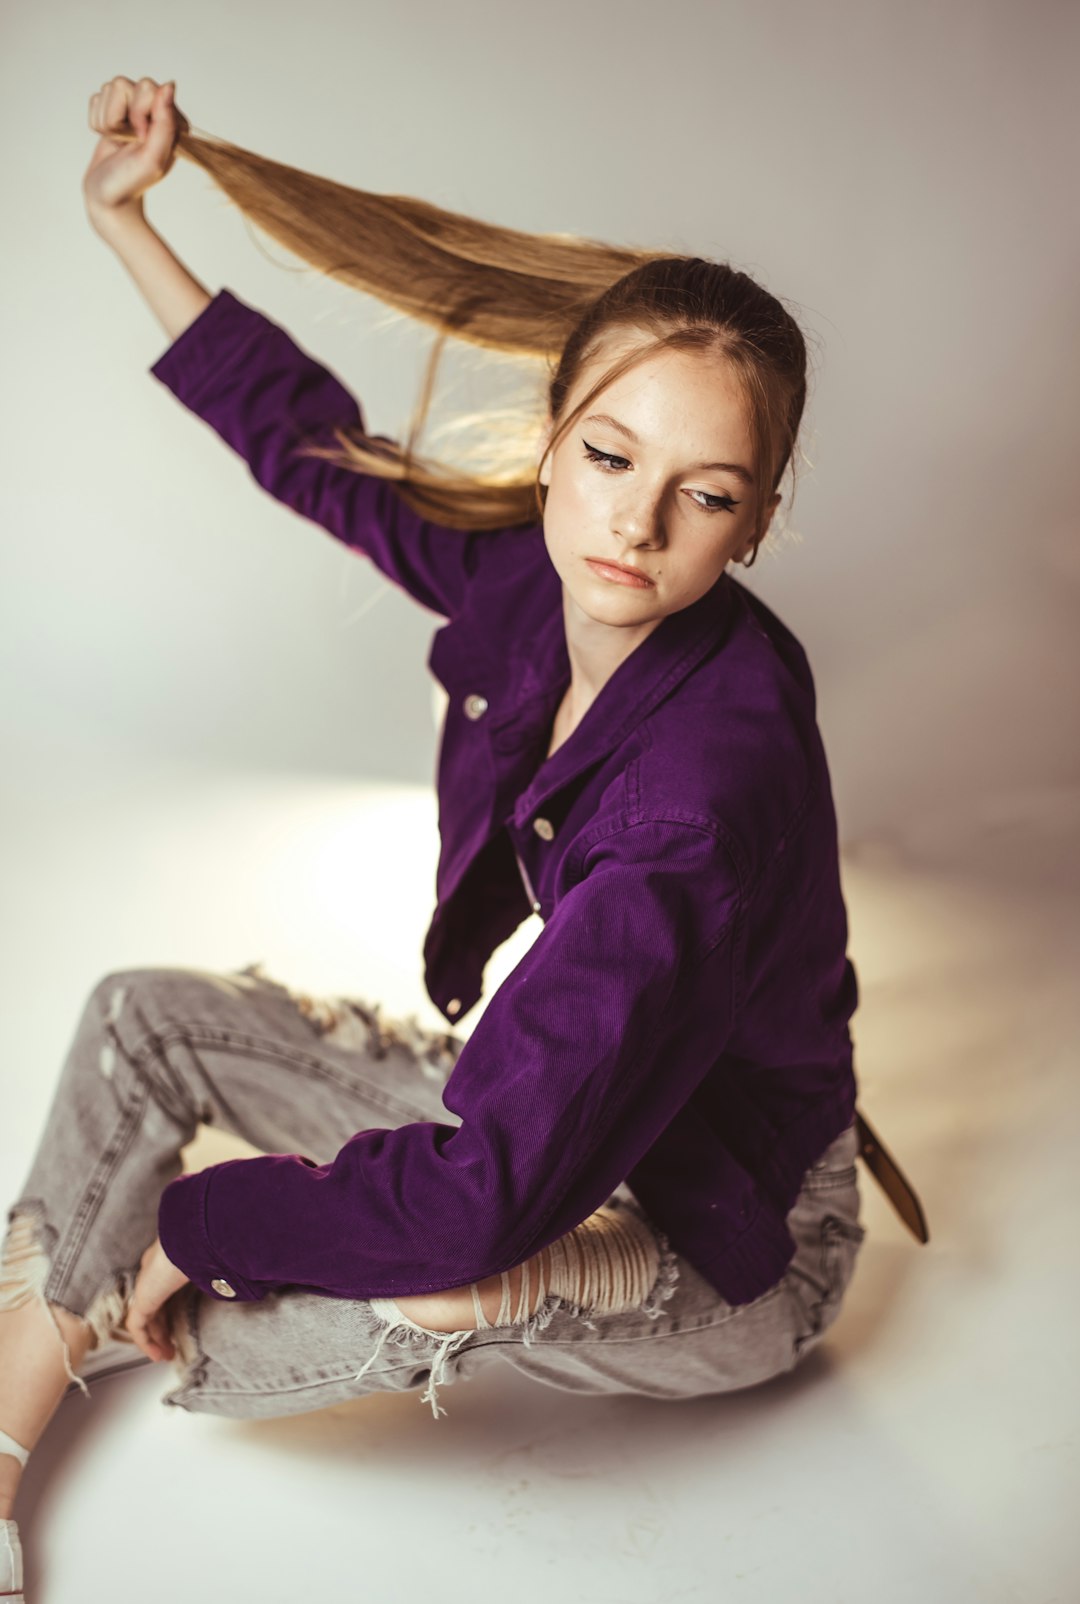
741,554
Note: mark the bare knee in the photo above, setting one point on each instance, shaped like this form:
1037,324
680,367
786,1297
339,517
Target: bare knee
454,1309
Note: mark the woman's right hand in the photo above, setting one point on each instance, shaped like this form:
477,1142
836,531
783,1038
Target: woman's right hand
139,126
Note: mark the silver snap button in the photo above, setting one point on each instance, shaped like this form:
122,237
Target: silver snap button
536,907
454,1005
544,828
475,705
223,1287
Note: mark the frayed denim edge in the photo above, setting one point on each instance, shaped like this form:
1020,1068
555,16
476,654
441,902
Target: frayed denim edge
401,1330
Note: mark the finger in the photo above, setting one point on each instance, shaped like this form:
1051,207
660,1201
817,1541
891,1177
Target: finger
138,1325
151,1344
162,125
118,93
138,1336
142,101
163,1338
150,1329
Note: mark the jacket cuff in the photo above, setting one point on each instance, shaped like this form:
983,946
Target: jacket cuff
212,341
183,1235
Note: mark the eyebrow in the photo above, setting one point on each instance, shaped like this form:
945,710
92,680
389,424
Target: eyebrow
726,467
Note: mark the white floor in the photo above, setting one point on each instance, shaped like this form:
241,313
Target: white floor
927,1451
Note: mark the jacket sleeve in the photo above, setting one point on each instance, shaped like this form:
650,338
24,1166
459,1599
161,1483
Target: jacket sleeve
582,1056
261,392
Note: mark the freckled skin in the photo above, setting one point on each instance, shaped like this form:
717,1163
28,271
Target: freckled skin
648,511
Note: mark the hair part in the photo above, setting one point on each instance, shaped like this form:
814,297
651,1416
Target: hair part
553,297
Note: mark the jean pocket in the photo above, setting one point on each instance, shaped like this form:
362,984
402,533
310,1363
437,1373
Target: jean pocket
840,1241
836,1166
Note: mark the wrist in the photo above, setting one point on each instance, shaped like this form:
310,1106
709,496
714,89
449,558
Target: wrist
117,222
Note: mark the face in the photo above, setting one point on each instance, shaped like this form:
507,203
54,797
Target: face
649,503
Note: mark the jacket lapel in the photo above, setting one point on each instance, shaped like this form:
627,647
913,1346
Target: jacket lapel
652,671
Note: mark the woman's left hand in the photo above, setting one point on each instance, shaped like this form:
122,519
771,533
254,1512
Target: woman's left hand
147,1322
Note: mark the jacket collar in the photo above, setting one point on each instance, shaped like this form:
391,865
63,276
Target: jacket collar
655,668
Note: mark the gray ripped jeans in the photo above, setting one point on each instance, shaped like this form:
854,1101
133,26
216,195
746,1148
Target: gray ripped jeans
157,1051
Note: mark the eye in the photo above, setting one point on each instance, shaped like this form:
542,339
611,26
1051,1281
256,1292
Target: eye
604,458
605,462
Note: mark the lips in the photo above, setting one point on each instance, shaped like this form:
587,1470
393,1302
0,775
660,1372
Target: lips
613,570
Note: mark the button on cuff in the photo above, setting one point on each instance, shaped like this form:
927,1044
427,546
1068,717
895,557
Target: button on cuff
183,1235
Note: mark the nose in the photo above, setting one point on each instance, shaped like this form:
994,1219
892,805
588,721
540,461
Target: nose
639,521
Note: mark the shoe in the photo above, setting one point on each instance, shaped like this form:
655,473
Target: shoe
109,1358
11,1563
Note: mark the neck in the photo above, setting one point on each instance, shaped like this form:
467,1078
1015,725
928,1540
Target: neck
595,651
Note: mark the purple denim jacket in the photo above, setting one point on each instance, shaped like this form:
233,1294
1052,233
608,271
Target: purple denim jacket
681,1020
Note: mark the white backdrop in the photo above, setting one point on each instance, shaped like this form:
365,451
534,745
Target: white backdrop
899,174
218,747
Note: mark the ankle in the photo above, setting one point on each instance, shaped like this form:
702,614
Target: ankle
10,1476
11,1561
13,1457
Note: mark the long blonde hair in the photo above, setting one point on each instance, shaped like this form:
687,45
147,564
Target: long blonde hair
555,297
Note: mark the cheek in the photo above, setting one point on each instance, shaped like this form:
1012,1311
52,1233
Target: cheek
574,499
691,566
573,512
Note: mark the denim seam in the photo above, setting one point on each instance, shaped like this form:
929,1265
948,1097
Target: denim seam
677,1327
94,1193
201,1035
192,1386
658,1333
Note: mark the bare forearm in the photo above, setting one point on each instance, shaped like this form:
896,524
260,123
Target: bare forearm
173,294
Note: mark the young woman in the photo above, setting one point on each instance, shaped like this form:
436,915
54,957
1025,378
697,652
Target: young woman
638,1173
